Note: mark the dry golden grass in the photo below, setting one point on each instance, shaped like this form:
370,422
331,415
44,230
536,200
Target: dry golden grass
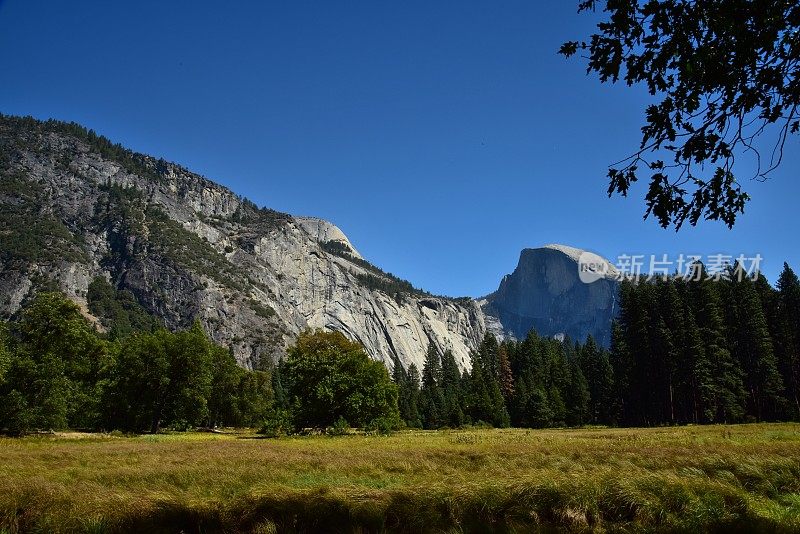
690,478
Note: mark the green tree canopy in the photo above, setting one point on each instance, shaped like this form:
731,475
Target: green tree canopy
53,375
226,381
162,377
787,330
432,400
407,393
328,377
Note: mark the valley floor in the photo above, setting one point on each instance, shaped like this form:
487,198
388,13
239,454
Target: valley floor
690,478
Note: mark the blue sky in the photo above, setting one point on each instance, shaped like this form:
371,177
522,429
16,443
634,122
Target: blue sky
442,137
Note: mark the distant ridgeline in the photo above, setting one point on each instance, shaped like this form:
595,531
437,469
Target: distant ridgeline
77,207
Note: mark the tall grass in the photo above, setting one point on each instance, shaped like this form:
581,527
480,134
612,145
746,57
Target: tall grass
716,478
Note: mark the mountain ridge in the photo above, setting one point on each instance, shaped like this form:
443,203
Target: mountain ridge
188,248
78,208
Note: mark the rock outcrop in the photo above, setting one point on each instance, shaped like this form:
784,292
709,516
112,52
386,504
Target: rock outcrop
546,293
76,208
327,232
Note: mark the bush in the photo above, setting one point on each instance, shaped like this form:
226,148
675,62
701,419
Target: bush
181,425
339,428
383,425
277,423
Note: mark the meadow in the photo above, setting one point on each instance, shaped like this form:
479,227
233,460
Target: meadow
712,478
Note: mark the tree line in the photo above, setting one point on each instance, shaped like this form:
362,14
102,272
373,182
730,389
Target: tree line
57,371
697,350
535,383
685,349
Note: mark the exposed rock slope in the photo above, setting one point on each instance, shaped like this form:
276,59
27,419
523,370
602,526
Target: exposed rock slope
546,293
75,207
327,232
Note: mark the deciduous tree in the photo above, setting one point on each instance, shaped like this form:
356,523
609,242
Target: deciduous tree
723,73
328,377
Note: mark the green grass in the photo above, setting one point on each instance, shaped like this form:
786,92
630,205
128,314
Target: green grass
714,478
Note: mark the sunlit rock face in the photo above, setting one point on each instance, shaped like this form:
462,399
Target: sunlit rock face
326,232
546,293
189,249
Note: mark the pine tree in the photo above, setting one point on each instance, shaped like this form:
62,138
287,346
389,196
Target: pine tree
506,376
414,419
400,379
787,335
662,361
558,409
499,411
407,393
679,355
486,399
621,362
751,345
431,394
726,403
451,390
278,389
538,408
598,374
557,364
636,320
519,404
577,396
479,401
701,381
489,356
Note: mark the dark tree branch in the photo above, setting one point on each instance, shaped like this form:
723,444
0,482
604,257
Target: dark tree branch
725,71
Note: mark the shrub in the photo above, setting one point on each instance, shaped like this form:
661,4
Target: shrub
277,423
339,428
181,425
383,425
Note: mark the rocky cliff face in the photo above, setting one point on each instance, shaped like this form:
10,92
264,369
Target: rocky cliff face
326,232
75,207
546,293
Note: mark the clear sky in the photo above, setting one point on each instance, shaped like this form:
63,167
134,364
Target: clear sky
442,137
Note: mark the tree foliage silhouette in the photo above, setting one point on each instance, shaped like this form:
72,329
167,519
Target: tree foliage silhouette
727,72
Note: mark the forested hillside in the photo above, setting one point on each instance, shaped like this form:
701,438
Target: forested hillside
157,263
